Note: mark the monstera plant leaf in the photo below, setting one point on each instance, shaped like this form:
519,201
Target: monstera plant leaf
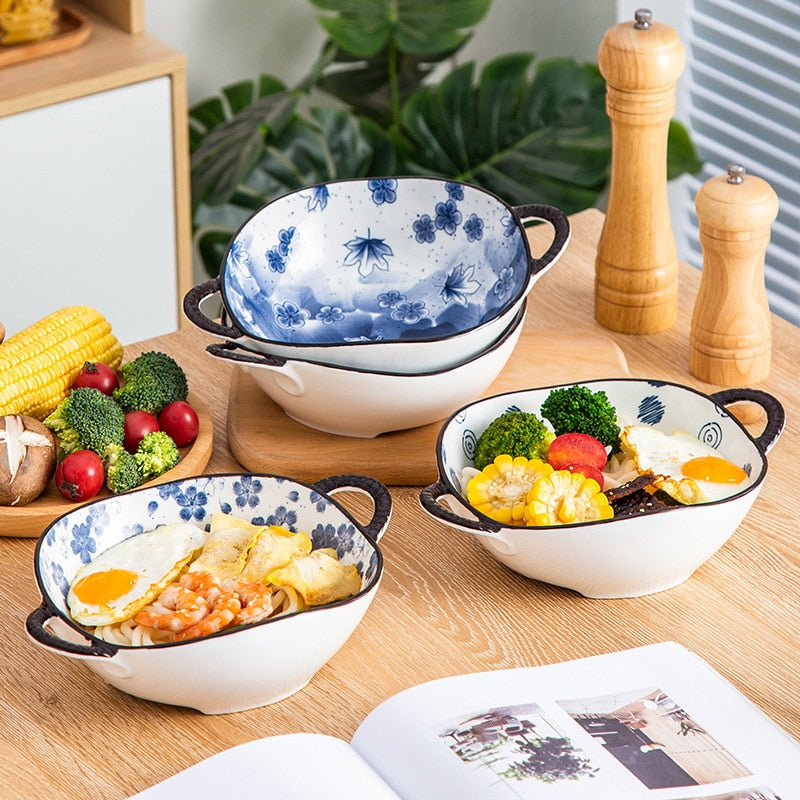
544,138
226,144
379,85
364,27
385,49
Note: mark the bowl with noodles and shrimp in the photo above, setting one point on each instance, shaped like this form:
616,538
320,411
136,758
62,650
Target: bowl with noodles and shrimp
256,570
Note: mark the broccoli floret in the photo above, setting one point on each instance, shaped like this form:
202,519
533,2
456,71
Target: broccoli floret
577,409
156,454
87,419
122,469
150,382
515,433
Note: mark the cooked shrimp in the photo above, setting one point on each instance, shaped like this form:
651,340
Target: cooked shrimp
256,600
223,610
206,584
176,609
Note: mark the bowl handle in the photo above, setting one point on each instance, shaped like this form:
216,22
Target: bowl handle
191,307
429,500
776,415
286,375
36,624
382,500
560,222
234,352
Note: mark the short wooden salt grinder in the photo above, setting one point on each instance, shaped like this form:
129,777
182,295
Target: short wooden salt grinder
731,334
636,269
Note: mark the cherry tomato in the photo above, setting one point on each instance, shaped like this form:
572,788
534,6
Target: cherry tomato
80,475
97,375
137,425
179,421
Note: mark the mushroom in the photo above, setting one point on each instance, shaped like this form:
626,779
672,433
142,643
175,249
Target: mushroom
27,459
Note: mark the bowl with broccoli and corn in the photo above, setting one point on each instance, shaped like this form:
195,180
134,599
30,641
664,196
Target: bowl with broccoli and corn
611,488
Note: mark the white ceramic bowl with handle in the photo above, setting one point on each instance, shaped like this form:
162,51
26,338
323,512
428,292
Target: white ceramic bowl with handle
236,668
409,274
365,403
628,556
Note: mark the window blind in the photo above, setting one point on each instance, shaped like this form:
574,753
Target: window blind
743,62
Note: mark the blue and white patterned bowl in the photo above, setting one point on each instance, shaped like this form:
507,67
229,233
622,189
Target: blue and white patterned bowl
238,668
408,274
622,557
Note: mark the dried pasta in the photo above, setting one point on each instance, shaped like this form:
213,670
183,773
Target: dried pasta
27,20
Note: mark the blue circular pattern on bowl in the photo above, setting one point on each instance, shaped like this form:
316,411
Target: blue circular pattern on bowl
389,259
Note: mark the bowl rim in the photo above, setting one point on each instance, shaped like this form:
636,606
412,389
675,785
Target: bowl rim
263,359
531,262
490,525
48,604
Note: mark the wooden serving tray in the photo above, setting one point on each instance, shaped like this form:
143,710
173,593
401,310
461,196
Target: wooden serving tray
31,520
74,29
263,439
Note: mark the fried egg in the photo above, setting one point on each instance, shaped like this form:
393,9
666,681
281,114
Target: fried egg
123,579
685,468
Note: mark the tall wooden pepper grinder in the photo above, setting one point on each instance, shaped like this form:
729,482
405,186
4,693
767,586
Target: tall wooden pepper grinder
731,334
636,269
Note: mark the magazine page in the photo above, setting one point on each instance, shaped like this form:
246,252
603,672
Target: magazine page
654,722
295,765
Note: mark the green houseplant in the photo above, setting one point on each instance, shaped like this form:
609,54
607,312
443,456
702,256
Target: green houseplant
371,106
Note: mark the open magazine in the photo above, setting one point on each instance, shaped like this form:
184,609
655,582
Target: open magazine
652,722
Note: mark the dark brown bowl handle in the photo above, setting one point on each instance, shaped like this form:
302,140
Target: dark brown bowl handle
381,499
235,352
429,500
776,415
36,623
560,222
191,307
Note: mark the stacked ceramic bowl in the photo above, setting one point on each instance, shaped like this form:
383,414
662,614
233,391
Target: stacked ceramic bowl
367,306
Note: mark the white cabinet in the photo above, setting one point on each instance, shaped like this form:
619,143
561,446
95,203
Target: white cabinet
89,213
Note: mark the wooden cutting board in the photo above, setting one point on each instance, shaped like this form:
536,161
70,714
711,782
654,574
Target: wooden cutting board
30,520
263,439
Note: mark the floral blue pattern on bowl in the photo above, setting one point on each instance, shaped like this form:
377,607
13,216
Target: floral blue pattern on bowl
389,259
75,538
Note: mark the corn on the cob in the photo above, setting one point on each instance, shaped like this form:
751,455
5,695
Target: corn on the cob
500,489
39,364
563,497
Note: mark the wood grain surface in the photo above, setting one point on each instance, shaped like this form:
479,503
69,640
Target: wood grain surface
264,439
444,606
637,259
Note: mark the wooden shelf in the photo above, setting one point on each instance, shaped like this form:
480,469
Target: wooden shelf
118,53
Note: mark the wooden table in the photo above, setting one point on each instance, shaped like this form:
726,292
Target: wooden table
444,607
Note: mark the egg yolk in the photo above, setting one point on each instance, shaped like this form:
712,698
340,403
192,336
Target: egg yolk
713,469
102,587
